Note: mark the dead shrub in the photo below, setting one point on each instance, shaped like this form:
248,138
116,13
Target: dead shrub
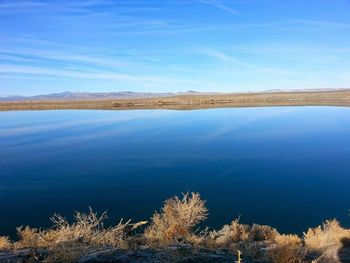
5,243
29,238
229,235
326,240
67,242
329,235
287,249
262,232
176,220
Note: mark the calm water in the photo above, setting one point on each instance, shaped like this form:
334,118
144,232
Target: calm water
287,167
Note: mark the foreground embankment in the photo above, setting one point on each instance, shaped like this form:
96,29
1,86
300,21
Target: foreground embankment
188,102
172,235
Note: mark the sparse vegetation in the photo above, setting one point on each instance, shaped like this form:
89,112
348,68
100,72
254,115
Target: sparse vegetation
176,220
326,239
329,235
287,249
175,224
230,235
5,243
70,241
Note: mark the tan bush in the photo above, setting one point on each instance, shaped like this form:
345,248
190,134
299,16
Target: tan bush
176,219
229,235
67,242
326,240
287,249
329,235
5,243
29,238
262,232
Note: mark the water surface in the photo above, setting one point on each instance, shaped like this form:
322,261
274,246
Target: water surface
288,167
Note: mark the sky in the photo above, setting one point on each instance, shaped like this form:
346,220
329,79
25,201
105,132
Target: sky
49,46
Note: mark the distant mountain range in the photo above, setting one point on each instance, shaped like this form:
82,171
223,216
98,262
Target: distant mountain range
69,95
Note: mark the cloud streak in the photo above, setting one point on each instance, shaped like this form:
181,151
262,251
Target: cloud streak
220,5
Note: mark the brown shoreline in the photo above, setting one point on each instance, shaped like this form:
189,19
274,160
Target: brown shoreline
189,102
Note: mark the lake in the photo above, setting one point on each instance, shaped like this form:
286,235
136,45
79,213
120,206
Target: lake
288,167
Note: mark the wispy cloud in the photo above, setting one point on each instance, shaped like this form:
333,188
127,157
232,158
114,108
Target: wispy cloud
220,5
322,23
72,57
95,15
229,59
54,57
96,75
147,82
5,6
216,54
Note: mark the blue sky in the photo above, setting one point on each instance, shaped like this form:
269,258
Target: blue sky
178,45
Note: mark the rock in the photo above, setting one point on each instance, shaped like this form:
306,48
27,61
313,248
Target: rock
120,256
14,257
344,252
173,254
23,256
341,255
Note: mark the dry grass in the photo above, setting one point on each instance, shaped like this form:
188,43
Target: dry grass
67,242
326,240
229,235
5,243
176,220
262,232
329,235
287,249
